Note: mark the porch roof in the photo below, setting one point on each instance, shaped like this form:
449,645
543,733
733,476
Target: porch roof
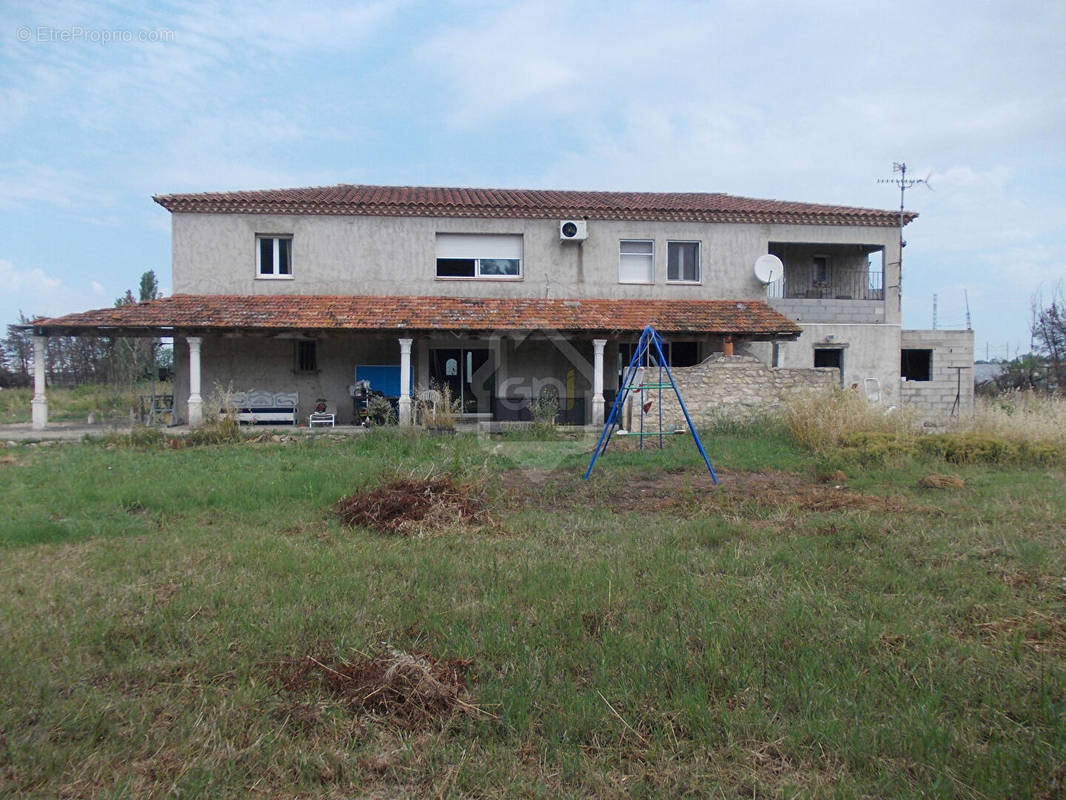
186,314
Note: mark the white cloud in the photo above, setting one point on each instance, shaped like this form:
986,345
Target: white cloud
36,292
127,108
24,183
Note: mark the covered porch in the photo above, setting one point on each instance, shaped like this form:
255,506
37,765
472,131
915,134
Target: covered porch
496,355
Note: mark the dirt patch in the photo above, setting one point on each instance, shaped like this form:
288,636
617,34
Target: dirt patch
1035,630
632,441
412,688
412,506
692,492
830,498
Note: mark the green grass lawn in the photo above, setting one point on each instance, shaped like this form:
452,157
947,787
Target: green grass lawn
794,632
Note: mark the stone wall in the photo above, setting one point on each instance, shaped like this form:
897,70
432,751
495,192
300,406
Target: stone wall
728,387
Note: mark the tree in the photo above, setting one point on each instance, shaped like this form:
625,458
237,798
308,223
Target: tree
18,353
1026,372
149,287
76,360
133,359
1049,334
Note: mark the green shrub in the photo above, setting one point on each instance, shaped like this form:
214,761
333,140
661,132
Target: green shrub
144,437
969,448
544,409
877,446
222,430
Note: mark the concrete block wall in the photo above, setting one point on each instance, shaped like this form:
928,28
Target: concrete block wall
842,311
935,398
730,387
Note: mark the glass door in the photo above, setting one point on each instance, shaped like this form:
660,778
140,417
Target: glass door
468,374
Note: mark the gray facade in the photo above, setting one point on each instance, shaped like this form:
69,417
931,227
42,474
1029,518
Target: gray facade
216,254
486,290
840,283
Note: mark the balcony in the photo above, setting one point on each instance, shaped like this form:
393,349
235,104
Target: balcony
846,296
839,284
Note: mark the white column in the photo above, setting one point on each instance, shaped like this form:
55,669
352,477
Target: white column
405,381
39,403
597,380
196,402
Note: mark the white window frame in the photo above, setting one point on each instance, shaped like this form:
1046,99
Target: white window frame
699,262
650,256
478,274
275,275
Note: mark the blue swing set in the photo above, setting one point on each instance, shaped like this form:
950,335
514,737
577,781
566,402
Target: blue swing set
650,345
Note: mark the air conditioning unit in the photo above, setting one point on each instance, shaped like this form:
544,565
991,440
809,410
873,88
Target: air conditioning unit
573,230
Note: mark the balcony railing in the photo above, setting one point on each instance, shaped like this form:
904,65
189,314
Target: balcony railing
842,285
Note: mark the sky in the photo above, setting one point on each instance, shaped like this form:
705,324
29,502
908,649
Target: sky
103,105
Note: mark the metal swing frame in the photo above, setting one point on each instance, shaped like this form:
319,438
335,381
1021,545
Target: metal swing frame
649,339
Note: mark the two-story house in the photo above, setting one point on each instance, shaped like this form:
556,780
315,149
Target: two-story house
498,293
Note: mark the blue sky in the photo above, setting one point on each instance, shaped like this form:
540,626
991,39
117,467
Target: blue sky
103,105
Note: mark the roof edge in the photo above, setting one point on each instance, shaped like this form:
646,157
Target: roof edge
406,201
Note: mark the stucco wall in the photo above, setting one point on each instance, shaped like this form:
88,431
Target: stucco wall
244,363
870,356
727,387
215,254
935,398
523,366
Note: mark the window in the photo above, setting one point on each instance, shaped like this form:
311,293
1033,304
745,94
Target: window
636,261
684,354
916,365
678,354
306,355
273,256
461,255
820,270
683,262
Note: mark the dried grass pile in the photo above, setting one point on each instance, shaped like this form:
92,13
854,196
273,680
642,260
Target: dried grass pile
942,482
410,506
413,688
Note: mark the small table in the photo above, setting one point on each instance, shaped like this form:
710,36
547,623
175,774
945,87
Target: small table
321,420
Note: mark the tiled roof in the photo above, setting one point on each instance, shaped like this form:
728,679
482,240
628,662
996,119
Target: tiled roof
215,313
421,201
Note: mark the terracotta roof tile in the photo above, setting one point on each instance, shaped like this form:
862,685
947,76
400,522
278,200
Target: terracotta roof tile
423,201
374,313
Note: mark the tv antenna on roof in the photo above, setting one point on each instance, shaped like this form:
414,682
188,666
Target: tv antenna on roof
900,179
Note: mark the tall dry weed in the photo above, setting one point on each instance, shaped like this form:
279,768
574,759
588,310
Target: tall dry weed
1021,416
817,421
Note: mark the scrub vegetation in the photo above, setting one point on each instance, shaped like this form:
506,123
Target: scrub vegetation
106,402
1018,427
207,621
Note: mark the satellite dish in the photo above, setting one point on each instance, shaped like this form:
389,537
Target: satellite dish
768,268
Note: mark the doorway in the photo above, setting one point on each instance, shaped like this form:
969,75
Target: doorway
468,374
